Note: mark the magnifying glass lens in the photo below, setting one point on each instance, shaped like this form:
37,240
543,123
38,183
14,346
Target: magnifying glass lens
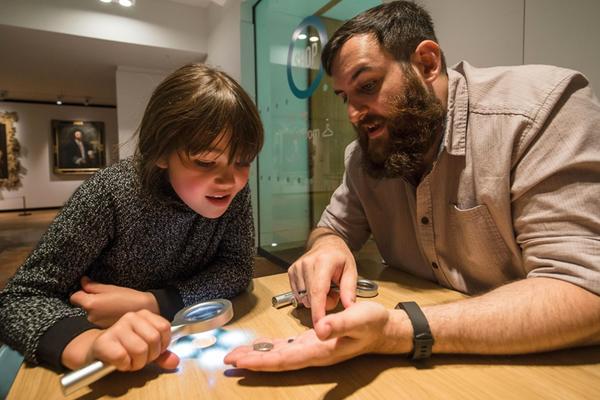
204,313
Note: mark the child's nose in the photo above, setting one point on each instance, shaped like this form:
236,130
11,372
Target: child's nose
226,175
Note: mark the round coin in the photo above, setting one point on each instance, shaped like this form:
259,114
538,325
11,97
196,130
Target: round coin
263,346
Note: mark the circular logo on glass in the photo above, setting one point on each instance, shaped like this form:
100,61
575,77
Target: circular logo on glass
304,52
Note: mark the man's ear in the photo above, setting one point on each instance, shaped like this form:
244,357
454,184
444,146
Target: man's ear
427,58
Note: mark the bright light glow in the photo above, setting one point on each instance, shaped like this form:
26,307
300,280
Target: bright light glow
212,358
231,339
184,349
106,1
302,36
126,3
314,39
274,244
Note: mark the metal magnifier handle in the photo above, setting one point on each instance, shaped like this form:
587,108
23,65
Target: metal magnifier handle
197,318
364,288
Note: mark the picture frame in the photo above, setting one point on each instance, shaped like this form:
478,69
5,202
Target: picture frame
10,166
79,146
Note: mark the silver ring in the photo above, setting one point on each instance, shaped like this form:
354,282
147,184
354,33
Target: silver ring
366,288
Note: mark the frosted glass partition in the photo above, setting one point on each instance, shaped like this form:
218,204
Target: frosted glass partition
306,129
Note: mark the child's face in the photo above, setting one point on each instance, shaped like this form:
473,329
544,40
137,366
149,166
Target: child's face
208,183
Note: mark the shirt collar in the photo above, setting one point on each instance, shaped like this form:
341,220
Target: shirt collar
455,131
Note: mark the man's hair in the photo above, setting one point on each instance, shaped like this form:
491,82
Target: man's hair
187,112
399,27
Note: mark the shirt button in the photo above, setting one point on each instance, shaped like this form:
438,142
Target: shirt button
434,265
424,220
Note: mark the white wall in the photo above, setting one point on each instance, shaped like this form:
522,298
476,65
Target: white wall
483,32
151,22
40,186
223,42
564,33
134,88
514,32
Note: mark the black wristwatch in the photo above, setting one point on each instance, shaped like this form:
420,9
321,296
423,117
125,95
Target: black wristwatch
422,338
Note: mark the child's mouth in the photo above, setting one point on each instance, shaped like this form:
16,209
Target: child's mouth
219,199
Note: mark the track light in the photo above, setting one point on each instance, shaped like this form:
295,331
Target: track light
124,3
59,100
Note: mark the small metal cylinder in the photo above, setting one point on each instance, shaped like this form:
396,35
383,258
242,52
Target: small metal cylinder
282,300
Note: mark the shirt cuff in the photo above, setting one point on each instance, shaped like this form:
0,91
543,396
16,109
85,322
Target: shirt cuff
169,301
54,340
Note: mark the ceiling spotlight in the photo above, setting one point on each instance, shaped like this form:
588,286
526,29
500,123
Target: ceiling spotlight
302,36
59,100
124,3
86,101
314,39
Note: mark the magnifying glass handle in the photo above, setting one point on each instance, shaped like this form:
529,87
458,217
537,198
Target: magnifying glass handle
80,378
85,376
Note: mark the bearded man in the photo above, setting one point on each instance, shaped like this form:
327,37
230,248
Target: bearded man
485,181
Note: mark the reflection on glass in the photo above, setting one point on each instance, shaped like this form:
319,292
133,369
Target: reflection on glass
306,130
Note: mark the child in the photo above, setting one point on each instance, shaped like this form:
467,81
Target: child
141,239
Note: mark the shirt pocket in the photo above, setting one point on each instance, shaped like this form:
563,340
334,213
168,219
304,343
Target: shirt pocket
476,254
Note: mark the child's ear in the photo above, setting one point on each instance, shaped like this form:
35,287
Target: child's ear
162,163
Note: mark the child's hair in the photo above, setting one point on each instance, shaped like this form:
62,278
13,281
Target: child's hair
187,112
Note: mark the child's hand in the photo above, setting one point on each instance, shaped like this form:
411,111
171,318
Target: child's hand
105,304
135,340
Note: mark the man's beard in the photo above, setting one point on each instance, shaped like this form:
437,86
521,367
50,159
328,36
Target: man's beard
416,119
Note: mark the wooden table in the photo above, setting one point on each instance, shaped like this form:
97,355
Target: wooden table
572,374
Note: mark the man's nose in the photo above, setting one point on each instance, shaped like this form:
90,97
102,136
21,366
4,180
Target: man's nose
355,112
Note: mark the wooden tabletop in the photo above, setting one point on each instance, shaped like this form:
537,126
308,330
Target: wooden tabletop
571,374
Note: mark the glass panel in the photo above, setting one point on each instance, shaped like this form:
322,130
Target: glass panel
306,128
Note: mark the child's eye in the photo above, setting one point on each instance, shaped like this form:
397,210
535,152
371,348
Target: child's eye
242,164
204,164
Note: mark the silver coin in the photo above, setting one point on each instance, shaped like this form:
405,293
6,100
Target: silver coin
263,346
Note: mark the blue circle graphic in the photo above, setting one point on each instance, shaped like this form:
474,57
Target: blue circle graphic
314,21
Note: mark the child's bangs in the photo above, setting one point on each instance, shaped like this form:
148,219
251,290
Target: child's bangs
229,127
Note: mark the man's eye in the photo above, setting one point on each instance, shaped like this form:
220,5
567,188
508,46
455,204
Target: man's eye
369,87
204,164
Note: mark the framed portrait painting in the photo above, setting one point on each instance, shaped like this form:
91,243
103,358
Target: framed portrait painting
78,146
9,152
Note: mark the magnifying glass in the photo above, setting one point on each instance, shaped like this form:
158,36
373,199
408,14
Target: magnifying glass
197,318
364,288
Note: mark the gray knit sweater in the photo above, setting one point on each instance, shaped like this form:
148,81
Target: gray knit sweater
117,234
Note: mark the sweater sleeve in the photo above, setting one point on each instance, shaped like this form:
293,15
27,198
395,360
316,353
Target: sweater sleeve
229,272
36,317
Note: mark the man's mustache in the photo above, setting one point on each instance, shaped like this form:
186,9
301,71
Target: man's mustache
362,126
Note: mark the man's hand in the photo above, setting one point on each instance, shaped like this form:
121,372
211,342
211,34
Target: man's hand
362,328
135,340
328,260
105,304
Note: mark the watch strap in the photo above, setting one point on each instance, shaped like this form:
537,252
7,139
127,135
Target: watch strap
422,338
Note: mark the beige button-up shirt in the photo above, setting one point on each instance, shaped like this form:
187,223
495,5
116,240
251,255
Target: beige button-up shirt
515,192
